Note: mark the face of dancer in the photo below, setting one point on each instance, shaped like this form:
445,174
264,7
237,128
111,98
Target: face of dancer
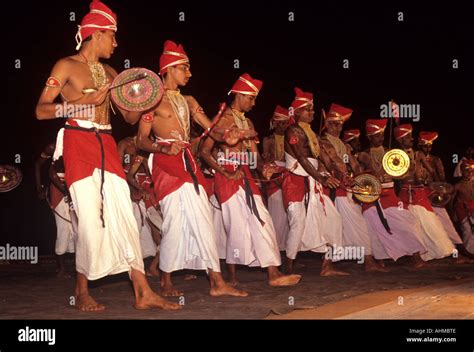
334,128
181,74
305,114
355,144
280,126
376,140
426,148
105,43
406,142
245,102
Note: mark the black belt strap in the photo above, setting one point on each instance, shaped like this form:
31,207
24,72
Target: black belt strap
97,133
189,168
251,200
382,217
306,193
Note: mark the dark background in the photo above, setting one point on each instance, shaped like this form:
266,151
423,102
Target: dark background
409,61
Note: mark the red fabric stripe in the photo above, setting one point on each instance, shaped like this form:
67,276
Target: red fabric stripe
81,155
169,174
224,188
419,197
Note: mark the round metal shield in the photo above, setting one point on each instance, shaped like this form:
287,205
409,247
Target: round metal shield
441,193
396,162
10,178
367,188
137,89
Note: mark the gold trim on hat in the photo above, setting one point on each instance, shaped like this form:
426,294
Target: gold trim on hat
250,84
377,127
283,117
407,130
174,63
174,53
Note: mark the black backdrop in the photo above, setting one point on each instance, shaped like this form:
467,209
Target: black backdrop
409,61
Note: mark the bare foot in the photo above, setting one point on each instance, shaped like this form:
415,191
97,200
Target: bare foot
170,291
285,280
188,277
226,290
86,303
152,300
152,272
331,271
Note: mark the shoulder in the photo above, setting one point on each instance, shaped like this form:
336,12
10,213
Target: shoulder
227,117
190,100
64,65
250,123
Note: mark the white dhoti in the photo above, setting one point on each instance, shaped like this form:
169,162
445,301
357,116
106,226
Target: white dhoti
107,243
448,226
65,234
434,236
114,248
355,231
317,227
248,241
279,217
148,246
402,239
155,217
188,237
221,236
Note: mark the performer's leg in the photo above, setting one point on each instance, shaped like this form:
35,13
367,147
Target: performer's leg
220,288
145,298
84,301
153,267
232,275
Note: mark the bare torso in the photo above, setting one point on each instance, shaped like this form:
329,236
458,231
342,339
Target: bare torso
296,136
82,79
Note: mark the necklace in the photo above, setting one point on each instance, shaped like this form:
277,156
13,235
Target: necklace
181,110
241,123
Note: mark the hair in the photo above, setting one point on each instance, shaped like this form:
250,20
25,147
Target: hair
230,98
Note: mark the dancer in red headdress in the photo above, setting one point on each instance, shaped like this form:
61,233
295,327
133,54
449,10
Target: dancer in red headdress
274,152
107,240
251,238
315,224
398,231
344,166
433,171
189,240
415,198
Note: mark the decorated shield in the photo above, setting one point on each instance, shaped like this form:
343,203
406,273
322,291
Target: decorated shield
441,193
367,188
137,89
10,178
396,162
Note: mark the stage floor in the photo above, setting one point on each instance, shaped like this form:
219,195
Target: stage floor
443,290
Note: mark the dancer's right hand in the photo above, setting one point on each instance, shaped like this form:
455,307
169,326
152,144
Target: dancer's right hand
331,182
175,147
97,97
